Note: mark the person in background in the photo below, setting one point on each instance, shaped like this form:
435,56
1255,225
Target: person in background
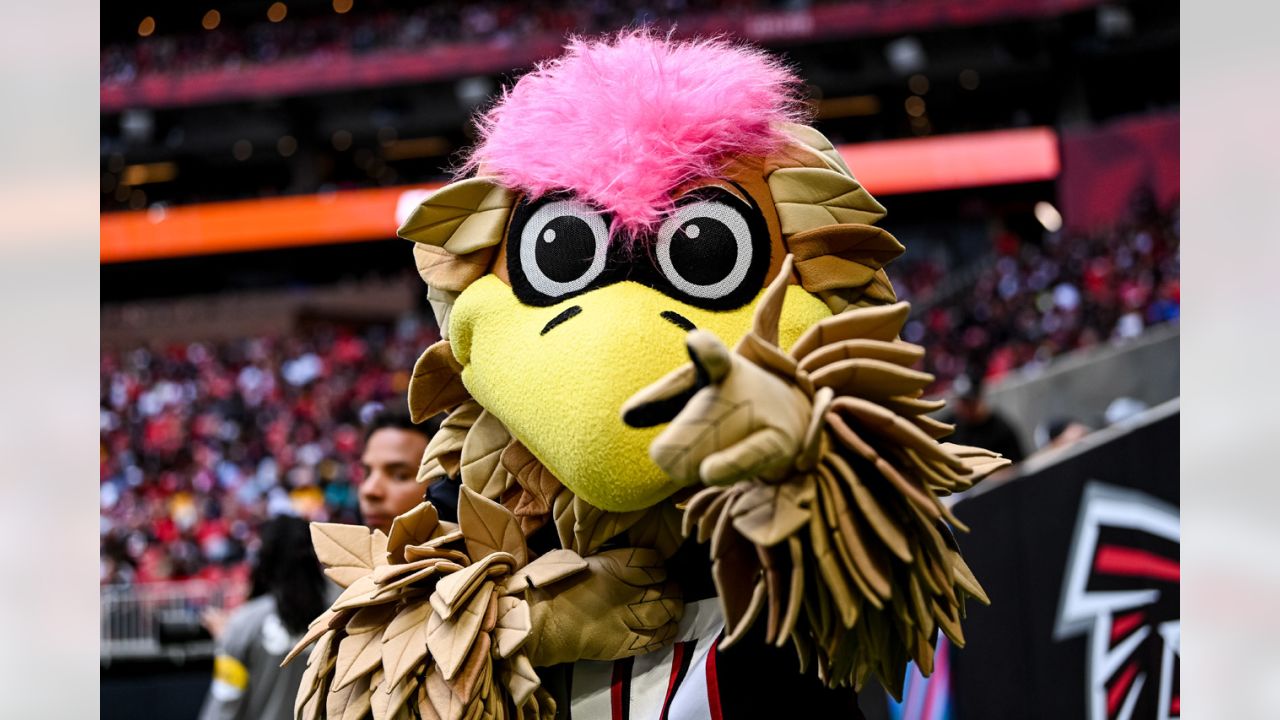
1123,408
393,448
288,592
1060,432
979,424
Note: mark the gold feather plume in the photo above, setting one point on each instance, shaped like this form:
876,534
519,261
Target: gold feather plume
433,621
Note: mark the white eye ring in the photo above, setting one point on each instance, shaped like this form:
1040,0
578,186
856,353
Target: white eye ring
533,233
719,212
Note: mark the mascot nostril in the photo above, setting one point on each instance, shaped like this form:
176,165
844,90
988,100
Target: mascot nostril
562,317
787,428
678,320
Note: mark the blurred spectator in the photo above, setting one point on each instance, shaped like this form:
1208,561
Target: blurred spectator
1059,432
202,442
1123,408
393,449
288,593
1034,301
979,424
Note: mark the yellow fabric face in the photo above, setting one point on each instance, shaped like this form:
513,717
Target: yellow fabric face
560,393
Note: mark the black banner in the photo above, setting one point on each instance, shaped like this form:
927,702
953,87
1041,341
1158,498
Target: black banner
1080,560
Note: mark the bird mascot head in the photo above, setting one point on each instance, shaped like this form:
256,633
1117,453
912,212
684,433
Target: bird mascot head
665,322
624,194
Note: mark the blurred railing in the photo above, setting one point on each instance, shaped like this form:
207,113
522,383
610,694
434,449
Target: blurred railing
1082,384
160,619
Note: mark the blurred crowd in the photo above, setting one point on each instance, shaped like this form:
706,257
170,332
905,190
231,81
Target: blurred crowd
1032,301
201,443
428,24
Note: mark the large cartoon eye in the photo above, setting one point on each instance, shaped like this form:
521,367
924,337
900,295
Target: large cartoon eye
563,247
705,250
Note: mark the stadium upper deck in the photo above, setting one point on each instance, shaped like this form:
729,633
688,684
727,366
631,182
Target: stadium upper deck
349,94
266,54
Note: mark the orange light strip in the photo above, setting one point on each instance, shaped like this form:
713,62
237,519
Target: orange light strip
891,167
950,162
239,225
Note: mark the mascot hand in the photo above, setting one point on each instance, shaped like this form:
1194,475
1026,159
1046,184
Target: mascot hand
621,606
740,421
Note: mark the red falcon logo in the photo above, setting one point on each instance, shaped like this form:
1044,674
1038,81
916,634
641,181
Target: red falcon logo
1121,589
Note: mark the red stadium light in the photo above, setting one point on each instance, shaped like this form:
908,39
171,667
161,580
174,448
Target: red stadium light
949,162
893,167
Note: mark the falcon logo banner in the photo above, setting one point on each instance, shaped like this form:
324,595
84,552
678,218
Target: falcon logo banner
1121,589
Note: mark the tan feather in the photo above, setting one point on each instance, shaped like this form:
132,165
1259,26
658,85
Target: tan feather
488,527
349,702
480,463
404,642
436,383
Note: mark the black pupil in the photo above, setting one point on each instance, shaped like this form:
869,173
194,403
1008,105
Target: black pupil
565,248
703,251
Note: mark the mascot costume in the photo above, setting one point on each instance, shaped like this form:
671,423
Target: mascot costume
698,476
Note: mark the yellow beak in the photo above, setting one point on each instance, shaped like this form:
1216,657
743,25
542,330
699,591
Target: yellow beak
557,377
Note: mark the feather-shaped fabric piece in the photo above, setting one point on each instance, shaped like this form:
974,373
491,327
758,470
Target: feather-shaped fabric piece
444,452
436,384
462,217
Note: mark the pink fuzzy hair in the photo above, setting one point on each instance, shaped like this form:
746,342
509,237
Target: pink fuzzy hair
624,120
